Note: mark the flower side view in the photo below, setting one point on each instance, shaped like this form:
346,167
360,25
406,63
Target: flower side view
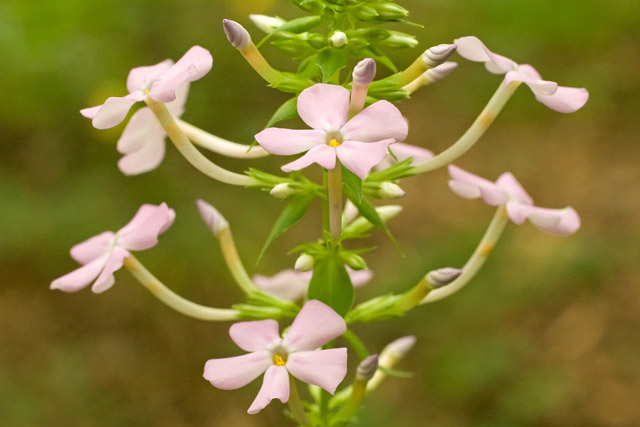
519,204
296,354
359,143
559,98
104,254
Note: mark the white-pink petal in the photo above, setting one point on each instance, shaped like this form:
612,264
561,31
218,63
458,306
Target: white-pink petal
256,335
142,142
359,277
274,386
234,372
287,284
113,111
81,277
537,86
324,368
92,248
323,155
141,77
555,221
324,107
514,189
381,120
565,99
315,325
114,263
470,186
142,231
193,65
472,49
286,142
360,157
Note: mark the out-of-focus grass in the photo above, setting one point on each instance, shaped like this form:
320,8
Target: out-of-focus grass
546,335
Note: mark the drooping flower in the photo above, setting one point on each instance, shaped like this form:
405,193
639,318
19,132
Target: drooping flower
104,254
359,143
519,204
558,98
159,82
296,354
402,152
293,285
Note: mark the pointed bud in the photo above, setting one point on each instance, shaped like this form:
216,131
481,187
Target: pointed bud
396,350
304,262
432,75
354,261
399,40
338,39
436,55
443,276
389,190
267,23
238,36
388,212
367,368
210,215
364,72
282,191
390,11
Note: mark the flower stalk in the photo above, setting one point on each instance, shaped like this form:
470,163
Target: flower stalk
334,184
220,145
295,404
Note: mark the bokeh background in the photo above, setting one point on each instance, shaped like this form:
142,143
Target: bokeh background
547,335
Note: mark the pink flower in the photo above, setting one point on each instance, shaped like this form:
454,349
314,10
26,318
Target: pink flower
558,98
296,354
520,206
104,254
159,82
359,143
403,152
293,285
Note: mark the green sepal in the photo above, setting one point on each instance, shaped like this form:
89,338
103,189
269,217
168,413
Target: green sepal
288,110
291,83
330,62
380,57
301,25
400,170
331,284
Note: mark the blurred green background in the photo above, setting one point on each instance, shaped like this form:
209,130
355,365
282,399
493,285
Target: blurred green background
547,335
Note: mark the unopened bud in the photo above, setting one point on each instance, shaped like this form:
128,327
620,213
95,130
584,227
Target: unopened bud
399,40
304,262
338,39
210,215
432,75
389,211
354,261
267,23
364,72
367,368
282,191
390,11
443,276
365,13
238,36
389,190
396,350
436,55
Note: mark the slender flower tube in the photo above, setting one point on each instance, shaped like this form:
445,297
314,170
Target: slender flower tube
363,75
431,76
431,58
104,254
220,145
366,370
296,354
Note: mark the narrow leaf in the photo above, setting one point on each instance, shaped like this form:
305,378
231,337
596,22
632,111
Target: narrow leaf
288,110
330,61
352,182
331,284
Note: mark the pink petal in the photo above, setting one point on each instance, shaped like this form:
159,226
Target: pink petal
360,277
315,325
92,248
566,99
191,67
381,120
288,284
114,263
113,111
274,386
360,157
81,277
142,231
142,142
323,155
510,184
555,221
471,186
256,335
473,49
234,372
324,368
140,77
176,107
285,142
324,107
537,86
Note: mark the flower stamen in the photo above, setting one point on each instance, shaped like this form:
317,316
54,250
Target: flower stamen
334,143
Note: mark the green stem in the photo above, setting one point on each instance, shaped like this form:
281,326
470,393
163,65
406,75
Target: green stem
296,405
358,346
220,145
233,261
334,188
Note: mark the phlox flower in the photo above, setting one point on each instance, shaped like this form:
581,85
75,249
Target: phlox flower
359,143
297,354
519,204
402,152
293,285
159,82
104,254
558,98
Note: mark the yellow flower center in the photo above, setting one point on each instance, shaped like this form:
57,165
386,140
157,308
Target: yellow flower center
279,360
334,143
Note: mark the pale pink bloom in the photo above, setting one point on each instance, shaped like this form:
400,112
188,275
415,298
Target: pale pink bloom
297,354
520,205
403,152
104,254
293,285
558,98
359,143
159,82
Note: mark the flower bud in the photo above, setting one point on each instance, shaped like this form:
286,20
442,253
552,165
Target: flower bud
304,262
432,75
312,6
338,39
390,11
317,41
365,13
395,351
398,39
364,72
282,191
210,215
390,190
266,23
443,276
354,261
389,211
436,55
367,368
237,35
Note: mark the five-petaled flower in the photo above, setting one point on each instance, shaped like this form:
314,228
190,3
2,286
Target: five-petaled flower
104,254
297,354
558,98
519,204
158,82
359,143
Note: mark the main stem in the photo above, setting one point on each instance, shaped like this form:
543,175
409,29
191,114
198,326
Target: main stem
295,404
334,184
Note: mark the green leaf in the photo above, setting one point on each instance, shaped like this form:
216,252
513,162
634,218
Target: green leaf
331,284
380,57
291,214
288,110
368,211
352,182
330,62
300,25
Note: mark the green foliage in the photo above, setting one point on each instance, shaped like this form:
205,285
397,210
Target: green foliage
331,61
331,283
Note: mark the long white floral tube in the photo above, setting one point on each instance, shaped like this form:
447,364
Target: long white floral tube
173,300
220,145
191,153
475,131
480,255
